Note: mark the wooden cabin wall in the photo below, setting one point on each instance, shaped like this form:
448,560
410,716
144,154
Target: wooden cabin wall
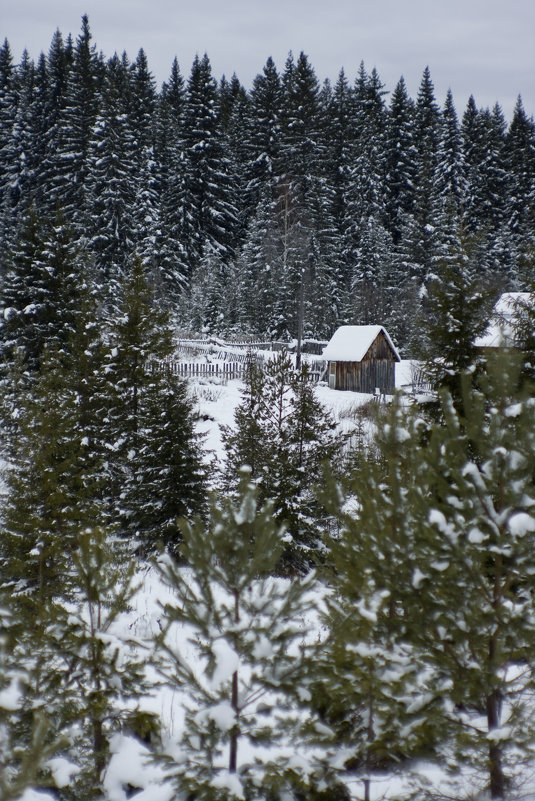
365,376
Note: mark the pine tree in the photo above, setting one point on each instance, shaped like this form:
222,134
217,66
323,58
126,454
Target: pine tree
474,555
370,679
242,677
25,748
107,669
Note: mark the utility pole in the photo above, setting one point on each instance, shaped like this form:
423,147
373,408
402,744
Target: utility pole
300,316
306,272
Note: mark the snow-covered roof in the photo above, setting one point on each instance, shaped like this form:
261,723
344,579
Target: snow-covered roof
350,343
501,328
505,305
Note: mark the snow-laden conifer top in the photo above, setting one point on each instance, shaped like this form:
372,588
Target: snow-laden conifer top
350,343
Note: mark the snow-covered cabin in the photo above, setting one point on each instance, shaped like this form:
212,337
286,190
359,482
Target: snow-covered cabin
362,358
501,330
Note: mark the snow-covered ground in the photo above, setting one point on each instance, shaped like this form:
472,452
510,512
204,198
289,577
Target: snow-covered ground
131,764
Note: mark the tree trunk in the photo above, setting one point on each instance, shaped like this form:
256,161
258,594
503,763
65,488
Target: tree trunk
233,755
497,779
235,733
99,749
494,699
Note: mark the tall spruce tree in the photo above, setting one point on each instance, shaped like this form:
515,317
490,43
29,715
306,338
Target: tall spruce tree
265,133
150,424
210,214
400,158
455,313
170,250
112,179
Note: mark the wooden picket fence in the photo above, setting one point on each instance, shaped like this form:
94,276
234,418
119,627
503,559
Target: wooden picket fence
221,370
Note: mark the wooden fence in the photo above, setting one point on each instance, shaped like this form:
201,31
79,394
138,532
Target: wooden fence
221,370
230,349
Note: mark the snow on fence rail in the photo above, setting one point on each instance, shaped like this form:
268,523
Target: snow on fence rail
237,350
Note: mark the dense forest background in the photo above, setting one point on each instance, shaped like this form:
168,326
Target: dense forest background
244,204
161,627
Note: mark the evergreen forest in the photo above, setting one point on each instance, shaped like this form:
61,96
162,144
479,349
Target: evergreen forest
239,202
321,607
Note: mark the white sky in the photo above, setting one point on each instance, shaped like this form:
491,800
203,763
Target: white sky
480,47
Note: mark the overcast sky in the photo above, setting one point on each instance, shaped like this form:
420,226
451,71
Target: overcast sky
480,47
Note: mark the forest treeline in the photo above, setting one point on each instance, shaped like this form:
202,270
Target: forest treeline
244,203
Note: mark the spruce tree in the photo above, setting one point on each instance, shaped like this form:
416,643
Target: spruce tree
52,495
455,313
242,444
170,252
210,213
10,100
265,133
67,577
520,142
111,186
294,438
68,163
154,457
421,236
450,177
400,159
